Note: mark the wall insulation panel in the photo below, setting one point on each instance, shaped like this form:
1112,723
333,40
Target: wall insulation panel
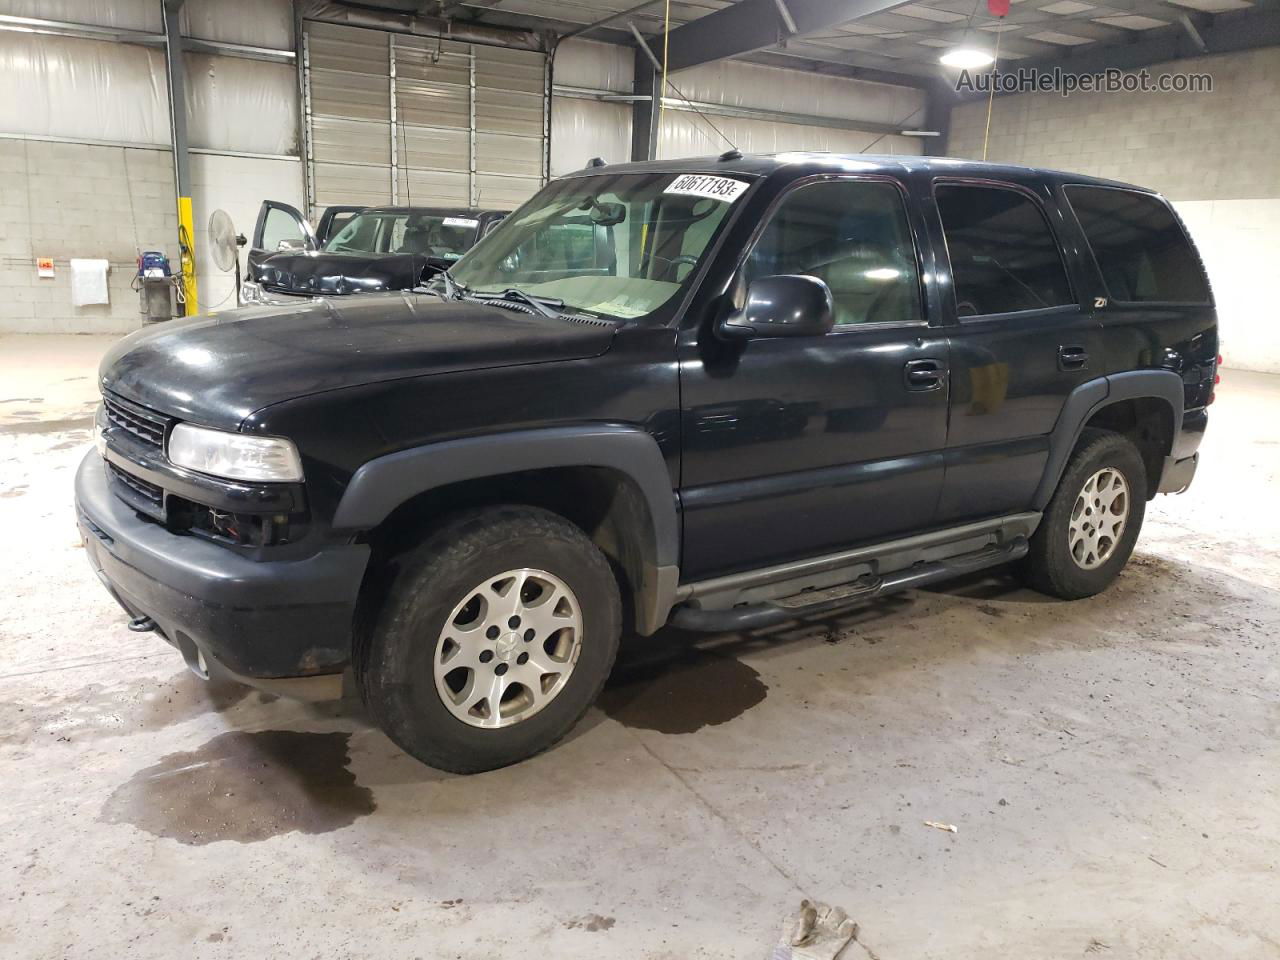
582,129
83,89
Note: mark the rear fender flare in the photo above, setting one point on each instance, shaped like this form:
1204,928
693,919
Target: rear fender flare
1090,397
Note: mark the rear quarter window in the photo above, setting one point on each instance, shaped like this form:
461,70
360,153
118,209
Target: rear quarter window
1140,248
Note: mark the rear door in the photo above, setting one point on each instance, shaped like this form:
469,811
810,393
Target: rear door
1021,340
280,228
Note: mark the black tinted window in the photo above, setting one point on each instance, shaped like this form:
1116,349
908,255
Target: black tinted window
1003,254
1140,248
853,236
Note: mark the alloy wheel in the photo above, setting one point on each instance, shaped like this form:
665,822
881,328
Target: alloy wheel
1098,518
508,648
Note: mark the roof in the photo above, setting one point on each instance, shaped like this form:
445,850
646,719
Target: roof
799,163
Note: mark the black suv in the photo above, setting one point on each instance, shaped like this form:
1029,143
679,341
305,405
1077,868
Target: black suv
715,393
355,249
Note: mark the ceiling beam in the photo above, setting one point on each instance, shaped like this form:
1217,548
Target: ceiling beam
837,64
751,25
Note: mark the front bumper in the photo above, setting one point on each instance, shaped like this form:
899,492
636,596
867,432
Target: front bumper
257,619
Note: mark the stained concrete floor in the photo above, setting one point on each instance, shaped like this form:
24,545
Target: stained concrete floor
1112,765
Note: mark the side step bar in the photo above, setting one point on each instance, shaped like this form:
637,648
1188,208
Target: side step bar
755,616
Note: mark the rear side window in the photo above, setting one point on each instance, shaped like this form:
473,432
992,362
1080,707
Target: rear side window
1139,246
1004,257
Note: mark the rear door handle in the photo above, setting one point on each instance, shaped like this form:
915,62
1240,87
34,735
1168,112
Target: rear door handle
927,374
1072,358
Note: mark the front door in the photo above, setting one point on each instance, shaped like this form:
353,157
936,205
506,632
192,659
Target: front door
795,447
280,228
1020,343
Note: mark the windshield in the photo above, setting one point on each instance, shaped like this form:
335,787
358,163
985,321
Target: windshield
620,245
436,235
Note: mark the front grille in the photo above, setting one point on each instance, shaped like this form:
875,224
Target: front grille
149,491
147,426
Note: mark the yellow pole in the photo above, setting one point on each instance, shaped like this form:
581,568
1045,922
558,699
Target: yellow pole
187,243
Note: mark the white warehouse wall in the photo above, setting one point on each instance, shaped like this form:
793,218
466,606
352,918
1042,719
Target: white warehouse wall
84,155
735,84
65,200
1214,155
583,129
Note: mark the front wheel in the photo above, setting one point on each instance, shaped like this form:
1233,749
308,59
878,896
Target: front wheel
1091,525
497,634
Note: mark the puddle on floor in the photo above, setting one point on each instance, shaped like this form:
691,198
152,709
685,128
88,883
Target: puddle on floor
700,689
245,787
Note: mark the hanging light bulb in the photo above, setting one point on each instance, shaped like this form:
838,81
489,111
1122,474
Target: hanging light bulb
966,58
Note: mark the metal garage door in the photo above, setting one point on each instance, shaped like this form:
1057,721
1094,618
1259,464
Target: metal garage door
392,118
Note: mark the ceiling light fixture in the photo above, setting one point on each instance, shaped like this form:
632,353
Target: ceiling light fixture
966,58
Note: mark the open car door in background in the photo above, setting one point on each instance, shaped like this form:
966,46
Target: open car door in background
281,228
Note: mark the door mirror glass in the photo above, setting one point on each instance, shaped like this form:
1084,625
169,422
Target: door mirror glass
290,243
782,306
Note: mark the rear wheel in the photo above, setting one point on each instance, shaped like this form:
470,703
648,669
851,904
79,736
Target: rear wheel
1090,526
497,634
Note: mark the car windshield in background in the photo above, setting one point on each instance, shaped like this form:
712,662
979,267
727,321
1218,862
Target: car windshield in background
437,236
620,245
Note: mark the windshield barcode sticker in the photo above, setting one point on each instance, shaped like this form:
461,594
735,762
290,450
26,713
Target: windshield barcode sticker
461,222
724,189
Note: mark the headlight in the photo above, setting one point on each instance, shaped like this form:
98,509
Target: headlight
234,455
250,292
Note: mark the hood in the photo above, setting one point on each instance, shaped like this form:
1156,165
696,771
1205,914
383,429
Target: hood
338,274
218,370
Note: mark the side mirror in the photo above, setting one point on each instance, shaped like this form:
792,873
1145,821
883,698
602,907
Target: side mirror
782,306
292,245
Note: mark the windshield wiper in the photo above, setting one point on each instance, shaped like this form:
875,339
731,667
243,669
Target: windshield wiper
453,290
547,306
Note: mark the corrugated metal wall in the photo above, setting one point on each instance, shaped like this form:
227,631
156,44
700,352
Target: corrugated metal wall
393,118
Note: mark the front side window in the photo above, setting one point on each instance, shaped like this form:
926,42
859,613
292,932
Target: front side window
853,236
1138,245
617,245
1004,257
281,231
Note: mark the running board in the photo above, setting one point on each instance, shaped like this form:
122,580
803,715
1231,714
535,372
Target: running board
815,602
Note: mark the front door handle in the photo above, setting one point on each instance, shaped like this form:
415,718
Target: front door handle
927,374
1072,358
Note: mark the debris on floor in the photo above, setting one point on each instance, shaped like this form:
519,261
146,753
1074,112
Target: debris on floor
949,827
814,932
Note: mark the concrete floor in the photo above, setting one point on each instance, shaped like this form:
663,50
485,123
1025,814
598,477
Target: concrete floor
1112,765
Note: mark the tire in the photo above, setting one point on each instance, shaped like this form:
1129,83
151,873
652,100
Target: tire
447,598
1073,567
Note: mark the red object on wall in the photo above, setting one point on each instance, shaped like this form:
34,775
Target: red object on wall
998,8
